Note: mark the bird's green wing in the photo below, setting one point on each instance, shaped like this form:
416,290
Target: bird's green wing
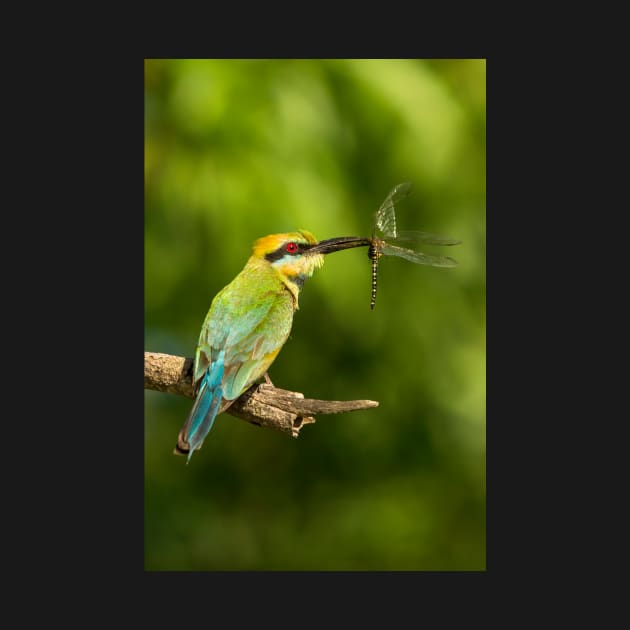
249,356
250,319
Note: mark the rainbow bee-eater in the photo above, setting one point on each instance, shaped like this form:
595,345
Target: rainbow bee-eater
248,323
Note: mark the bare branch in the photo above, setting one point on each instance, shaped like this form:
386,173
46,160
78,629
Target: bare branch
263,404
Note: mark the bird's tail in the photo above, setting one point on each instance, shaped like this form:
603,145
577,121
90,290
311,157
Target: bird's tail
203,412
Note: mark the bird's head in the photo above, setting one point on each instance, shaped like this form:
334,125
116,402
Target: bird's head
295,255
290,254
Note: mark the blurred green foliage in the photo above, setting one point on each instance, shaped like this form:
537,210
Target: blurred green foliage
237,149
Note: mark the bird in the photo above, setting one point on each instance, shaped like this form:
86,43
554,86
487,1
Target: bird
248,322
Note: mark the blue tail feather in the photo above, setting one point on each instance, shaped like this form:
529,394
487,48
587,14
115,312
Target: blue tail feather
206,405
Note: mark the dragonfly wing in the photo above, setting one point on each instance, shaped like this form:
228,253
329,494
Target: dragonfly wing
417,257
385,216
424,238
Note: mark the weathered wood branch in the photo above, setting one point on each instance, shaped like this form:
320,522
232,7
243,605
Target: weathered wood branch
263,404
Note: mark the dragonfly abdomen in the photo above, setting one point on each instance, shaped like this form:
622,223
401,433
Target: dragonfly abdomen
373,255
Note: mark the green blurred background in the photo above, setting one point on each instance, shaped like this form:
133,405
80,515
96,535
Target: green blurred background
237,149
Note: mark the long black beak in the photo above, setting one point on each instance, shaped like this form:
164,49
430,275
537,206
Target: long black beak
337,244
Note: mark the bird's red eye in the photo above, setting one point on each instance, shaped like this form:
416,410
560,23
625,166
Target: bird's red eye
291,247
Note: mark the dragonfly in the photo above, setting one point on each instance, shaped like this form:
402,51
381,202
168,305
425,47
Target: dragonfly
387,240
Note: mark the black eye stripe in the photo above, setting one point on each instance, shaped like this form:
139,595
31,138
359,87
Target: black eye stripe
282,251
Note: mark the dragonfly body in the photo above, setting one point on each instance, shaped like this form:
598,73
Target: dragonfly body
374,254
